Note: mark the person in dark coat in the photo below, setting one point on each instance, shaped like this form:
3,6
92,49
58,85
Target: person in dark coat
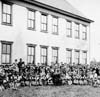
20,63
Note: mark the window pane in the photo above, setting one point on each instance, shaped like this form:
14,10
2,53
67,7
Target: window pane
43,22
4,18
55,25
32,50
68,24
55,55
77,56
55,20
29,50
3,58
44,19
69,56
8,49
29,59
8,9
76,30
6,53
4,49
41,59
31,19
32,24
7,58
33,16
8,18
45,27
43,55
84,36
69,28
5,8
29,14
7,13
31,54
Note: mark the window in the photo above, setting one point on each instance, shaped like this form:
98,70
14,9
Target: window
55,25
43,22
69,56
77,57
69,29
55,55
43,55
77,35
84,57
31,54
6,13
84,32
31,19
6,53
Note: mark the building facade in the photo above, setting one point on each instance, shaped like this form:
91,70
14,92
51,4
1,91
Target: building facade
40,32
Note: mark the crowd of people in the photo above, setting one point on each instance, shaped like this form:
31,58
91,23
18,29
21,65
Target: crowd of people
19,74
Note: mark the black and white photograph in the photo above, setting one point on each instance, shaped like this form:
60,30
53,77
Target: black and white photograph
49,48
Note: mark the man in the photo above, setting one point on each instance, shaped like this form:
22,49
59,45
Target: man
20,63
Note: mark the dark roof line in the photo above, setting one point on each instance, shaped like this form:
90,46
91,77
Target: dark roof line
58,10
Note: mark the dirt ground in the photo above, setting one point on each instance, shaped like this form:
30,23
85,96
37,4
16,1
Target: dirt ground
53,91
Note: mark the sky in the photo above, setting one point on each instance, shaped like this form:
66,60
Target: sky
91,9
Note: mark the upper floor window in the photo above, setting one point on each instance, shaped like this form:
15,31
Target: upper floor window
31,54
44,22
31,19
6,13
55,25
77,56
6,53
84,32
77,31
69,56
44,55
55,55
84,57
69,29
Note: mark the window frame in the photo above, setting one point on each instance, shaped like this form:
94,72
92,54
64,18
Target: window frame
84,32
43,56
10,54
69,57
84,59
33,46
31,20
54,56
69,29
10,14
77,58
77,31
42,22
55,25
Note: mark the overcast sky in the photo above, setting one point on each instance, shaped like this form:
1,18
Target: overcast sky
91,9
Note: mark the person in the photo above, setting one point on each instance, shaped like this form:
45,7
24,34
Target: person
14,66
20,64
15,72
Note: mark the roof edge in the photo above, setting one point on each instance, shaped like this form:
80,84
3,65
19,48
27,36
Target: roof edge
57,10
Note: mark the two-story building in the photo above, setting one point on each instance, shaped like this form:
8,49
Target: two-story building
43,31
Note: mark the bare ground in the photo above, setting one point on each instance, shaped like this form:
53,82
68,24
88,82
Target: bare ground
53,91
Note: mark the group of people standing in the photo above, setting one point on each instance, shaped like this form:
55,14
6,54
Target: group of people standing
56,74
